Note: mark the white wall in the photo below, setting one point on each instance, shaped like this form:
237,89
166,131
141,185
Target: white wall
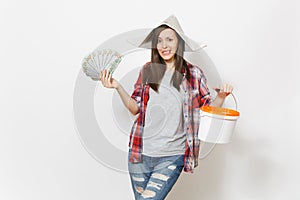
254,44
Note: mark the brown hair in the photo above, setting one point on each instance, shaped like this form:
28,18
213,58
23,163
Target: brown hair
154,72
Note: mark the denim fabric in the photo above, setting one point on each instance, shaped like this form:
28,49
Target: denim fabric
154,177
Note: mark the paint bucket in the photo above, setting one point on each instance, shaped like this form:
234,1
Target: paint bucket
217,124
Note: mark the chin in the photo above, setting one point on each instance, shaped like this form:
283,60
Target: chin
167,58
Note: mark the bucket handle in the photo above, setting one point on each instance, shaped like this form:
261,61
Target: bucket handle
235,101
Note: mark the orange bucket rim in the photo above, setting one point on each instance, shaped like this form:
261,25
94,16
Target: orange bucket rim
220,111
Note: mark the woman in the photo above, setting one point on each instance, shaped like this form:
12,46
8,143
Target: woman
159,149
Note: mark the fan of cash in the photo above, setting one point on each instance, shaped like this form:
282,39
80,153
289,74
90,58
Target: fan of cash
99,60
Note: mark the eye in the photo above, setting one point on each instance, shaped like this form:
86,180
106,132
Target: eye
159,41
170,39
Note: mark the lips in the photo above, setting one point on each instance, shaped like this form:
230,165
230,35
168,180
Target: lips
166,53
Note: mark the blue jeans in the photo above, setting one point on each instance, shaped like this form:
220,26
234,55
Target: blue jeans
154,177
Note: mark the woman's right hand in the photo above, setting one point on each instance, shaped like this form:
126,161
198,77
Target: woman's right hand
107,80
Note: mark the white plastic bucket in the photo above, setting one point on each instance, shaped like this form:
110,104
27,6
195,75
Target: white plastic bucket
217,124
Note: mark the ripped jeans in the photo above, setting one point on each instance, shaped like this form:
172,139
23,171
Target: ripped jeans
154,177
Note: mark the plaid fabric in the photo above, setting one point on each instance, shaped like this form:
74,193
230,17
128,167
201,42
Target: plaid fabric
196,94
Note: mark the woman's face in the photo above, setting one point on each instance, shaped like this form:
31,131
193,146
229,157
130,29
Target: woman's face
167,44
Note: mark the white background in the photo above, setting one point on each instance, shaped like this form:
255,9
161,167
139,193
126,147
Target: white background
255,45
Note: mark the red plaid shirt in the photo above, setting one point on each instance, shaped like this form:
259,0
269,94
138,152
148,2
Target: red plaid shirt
196,94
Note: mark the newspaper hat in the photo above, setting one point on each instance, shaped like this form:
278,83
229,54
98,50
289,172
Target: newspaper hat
194,52
172,22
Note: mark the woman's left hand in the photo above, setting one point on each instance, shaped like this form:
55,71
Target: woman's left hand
224,90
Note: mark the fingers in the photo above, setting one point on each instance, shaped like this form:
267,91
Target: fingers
216,89
109,78
101,74
227,88
106,74
105,77
224,89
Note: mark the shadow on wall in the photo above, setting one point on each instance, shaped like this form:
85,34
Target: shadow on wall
206,181
239,166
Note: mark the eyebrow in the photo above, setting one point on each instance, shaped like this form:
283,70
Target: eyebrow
166,37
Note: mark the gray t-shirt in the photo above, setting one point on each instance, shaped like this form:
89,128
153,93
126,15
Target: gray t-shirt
163,132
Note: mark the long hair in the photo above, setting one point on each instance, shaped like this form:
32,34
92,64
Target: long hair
154,73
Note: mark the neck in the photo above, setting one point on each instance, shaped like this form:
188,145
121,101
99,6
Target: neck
170,64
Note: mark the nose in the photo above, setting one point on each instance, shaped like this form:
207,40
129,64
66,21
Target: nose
164,44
